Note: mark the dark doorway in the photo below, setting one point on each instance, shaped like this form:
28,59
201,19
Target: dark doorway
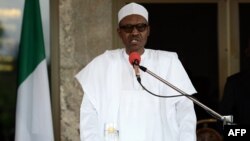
191,31
244,14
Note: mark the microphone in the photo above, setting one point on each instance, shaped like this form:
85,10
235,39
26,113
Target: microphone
135,59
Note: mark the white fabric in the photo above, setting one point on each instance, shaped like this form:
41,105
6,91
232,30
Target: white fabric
113,95
132,8
33,110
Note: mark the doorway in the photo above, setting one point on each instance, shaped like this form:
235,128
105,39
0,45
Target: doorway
191,31
244,22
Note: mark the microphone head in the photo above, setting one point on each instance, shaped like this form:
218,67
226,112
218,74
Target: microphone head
134,58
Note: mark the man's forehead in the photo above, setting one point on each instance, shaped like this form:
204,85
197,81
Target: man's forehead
133,19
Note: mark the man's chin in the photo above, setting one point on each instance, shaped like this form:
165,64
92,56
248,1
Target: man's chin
135,49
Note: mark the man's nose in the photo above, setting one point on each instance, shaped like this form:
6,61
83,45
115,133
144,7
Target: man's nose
135,31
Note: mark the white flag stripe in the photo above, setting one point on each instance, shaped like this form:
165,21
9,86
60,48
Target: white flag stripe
34,108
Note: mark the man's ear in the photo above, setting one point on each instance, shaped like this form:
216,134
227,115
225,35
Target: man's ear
118,31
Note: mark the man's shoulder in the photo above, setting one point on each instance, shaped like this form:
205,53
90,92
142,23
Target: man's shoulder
240,76
162,53
113,52
107,55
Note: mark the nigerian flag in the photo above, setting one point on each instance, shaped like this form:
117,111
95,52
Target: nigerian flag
33,111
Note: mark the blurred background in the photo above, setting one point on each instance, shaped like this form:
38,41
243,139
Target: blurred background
11,13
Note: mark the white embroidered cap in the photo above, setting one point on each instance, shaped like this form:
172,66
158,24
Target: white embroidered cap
132,8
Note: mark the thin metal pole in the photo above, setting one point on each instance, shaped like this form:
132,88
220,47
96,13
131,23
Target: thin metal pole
217,115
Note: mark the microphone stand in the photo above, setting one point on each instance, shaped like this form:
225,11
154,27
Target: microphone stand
227,120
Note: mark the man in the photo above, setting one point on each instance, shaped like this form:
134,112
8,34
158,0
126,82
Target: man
236,96
115,103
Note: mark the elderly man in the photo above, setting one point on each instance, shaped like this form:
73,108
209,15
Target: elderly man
115,106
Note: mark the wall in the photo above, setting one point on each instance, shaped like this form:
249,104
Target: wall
85,31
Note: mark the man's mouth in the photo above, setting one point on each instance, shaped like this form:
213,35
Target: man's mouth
134,41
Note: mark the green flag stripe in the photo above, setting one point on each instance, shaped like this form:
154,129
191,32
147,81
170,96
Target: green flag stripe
31,49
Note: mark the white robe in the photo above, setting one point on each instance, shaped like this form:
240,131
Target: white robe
113,95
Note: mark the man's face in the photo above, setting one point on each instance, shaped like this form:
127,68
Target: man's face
134,32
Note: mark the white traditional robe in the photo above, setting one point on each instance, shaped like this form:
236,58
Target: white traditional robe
113,95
